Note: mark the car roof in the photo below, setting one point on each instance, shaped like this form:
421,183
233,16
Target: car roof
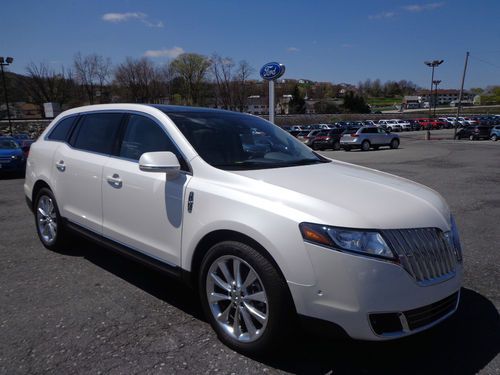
181,108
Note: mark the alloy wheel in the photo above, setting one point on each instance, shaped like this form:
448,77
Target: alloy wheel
46,219
237,298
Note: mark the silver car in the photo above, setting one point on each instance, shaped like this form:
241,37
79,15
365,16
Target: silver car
368,137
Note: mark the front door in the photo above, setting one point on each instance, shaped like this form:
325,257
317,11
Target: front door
144,210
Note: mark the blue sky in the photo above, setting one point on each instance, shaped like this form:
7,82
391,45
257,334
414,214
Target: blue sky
337,41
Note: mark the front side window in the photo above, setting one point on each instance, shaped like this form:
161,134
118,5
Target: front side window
144,135
235,141
97,132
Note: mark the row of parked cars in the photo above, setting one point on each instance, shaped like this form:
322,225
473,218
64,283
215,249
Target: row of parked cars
14,151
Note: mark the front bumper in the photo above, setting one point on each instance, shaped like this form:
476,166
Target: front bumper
351,290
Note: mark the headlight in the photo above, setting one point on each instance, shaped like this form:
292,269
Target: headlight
16,157
365,242
454,239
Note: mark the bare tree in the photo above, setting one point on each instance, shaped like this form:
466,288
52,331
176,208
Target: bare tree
192,69
43,84
92,72
241,85
222,72
140,80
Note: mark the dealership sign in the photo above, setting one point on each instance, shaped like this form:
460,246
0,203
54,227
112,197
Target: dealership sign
272,71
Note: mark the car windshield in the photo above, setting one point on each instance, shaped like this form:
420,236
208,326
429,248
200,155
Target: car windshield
7,144
234,141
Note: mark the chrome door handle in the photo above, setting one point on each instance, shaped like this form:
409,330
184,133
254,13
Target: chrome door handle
114,180
60,166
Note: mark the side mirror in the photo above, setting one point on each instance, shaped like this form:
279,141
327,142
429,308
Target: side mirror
161,161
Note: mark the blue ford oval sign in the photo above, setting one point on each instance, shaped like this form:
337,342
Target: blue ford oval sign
272,71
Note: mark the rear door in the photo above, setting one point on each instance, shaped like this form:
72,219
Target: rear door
78,168
144,210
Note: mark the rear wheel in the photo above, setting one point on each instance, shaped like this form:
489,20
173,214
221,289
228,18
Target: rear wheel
244,297
471,137
347,148
494,137
394,143
365,146
336,145
48,221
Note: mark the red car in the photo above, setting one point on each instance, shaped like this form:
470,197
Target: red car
429,123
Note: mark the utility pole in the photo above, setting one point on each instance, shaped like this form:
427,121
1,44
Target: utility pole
5,62
461,93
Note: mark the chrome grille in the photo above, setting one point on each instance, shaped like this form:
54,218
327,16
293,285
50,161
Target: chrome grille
425,253
5,159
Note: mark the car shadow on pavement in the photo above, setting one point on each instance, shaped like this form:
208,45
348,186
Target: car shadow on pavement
152,281
463,344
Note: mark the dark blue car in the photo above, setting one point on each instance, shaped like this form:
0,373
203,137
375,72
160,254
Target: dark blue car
11,155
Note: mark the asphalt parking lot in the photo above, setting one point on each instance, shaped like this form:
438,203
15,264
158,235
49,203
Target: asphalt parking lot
87,310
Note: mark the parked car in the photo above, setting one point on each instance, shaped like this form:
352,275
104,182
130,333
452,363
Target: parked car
369,123
405,125
263,239
308,138
414,125
11,155
474,132
390,125
495,133
368,137
430,124
327,139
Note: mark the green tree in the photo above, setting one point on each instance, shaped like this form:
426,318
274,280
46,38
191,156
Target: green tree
355,103
297,103
192,69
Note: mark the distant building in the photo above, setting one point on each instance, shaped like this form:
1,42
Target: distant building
445,97
259,105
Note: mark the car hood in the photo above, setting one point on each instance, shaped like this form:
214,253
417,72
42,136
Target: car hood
346,195
11,152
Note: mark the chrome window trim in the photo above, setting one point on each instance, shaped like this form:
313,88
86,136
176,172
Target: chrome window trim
122,111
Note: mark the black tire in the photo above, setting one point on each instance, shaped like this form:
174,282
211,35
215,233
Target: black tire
376,147
394,143
314,146
389,129
61,234
336,146
280,309
494,137
347,148
365,146
471,137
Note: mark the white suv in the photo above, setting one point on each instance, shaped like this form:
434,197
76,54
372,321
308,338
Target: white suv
265,228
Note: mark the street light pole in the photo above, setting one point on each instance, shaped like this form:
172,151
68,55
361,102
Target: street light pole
436,82
432,64
5,62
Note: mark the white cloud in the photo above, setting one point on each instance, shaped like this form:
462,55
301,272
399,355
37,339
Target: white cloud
172,52
423,7
292,49
124,17
382,15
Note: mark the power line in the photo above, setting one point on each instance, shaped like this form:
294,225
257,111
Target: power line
485,62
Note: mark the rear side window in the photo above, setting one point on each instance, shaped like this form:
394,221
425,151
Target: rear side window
144,135
62,129
97,132
370,130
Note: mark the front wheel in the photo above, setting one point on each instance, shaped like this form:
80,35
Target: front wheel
244,297
336,146
471,137
347,148
394,143
494,137
365,146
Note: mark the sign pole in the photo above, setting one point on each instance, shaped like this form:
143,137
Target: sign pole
271,72
271,101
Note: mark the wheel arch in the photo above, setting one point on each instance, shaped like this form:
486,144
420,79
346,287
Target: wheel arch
39,185
216,236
